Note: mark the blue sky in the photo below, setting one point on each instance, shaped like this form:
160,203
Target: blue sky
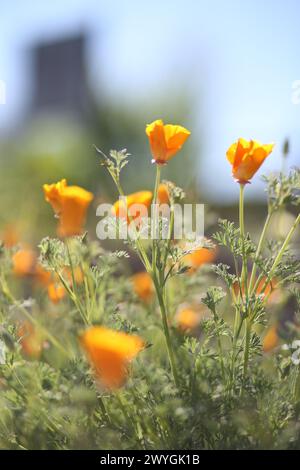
238,59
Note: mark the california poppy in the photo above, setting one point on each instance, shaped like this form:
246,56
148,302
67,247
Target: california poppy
188,319
9,236
56,292
143,285
30,339
246,157
165,140
199,257
41,275
273,294
271,339
24,262
163,194
134,205
70,203
109,353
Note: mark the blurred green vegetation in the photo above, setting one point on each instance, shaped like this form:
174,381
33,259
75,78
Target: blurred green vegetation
50,147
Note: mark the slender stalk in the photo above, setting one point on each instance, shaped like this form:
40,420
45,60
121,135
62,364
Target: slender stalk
244,277
248,326
143,254
33,320
219,345
103,409
73,296
166,330
282,250
155,221
259,248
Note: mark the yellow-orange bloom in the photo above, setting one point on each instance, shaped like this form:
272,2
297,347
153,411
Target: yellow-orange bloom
246,157
199,257
109,353
271,292
56,292
31,340
188,319
129,208
271,339
9,236
24,262
165,140
70,203
41,276
143,285
163,194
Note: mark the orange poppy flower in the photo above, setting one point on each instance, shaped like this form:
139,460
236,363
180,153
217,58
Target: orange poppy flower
10,236
109,353
143,286
78,275
129,208
165,140
163,194
56,292
271,339
42,276
188,319
24,262
70,203
30,340
270,290
246,157
198,258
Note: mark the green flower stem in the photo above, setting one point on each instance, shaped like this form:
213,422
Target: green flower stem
282,251
244,277
6,291
143,254
103,409
160,297
73,296
154,201
152,270
219,345
248,326
259,248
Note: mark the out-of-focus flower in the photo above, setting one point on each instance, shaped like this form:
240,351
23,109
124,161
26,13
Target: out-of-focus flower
77,273
143,286
135,205
271,339
188,319
9,236
70,203
163,194
165,140
31,340
56,292
24,262
41,276
110,353
199,257
246,157
273,294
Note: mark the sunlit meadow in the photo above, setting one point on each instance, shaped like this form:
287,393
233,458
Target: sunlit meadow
186,352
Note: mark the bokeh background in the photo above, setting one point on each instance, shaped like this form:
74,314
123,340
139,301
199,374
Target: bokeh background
84,72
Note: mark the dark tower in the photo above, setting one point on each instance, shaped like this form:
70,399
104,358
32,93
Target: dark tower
59,76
